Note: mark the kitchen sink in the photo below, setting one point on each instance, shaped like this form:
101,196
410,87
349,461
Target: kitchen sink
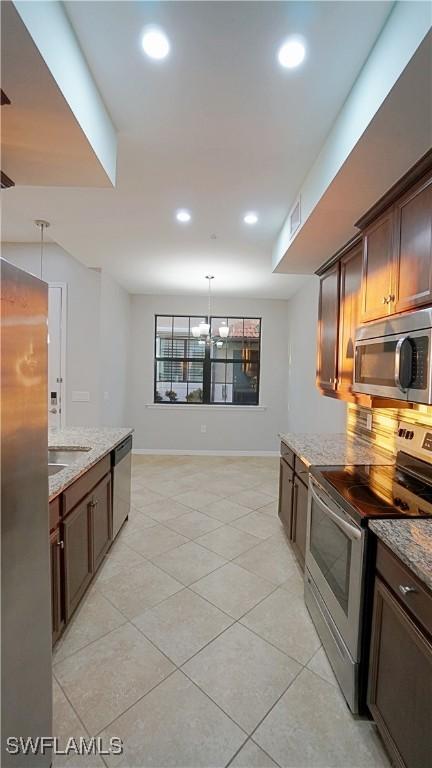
65,456
54,468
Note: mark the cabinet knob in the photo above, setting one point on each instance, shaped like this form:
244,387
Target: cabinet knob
391,297
406,590
384,299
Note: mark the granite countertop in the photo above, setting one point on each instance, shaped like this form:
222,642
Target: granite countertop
338,449
411,541
99,441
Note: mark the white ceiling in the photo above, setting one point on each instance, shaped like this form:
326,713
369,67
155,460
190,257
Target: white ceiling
218,127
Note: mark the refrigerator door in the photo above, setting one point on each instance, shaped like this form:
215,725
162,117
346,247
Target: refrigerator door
26,682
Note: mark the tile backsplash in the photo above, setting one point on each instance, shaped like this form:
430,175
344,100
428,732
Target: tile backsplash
384,422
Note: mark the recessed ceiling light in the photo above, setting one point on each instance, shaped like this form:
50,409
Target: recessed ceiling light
250,218
155,43
183,216
291,53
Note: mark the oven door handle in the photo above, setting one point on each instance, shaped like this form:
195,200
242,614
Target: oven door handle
352,532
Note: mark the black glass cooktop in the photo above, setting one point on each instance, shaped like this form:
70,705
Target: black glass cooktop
401,490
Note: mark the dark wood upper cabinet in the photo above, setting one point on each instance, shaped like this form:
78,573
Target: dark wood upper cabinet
349,315
328,320
400,681
377,268
78,554
100,505
299,520
413,248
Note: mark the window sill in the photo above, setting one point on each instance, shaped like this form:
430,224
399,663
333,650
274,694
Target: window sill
205,407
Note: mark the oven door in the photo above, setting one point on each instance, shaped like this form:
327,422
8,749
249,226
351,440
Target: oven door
335,548
397,366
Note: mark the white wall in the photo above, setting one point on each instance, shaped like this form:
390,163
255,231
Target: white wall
228,428
97,332
308,410
115,306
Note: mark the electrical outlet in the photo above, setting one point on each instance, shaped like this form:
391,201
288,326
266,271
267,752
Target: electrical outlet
369,422
203,428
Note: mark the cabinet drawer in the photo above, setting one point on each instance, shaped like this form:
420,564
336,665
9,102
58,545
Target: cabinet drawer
81,487
287,454
54,513
397,575
301,470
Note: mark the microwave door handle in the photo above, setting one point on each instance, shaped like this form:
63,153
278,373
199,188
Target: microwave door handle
350,530
403,363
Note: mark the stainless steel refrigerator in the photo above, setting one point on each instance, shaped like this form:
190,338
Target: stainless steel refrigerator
26,687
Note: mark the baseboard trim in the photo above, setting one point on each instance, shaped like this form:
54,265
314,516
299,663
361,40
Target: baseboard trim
185,452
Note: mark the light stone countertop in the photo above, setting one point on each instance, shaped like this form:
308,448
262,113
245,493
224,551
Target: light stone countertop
338,449
100,440
411,541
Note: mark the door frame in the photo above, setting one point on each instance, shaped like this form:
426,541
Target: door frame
63,340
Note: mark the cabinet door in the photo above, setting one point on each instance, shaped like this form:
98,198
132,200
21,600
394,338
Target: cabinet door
377,268
299,520
328,318
349,316
400,682
78,557
413,248
286,475
57,621
101,520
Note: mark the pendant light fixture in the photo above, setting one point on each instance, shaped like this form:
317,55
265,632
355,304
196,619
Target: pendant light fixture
43,225
203,329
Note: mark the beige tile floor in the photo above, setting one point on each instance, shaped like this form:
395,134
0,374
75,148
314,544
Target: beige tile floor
193,644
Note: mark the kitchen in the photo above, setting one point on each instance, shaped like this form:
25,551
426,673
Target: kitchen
216,464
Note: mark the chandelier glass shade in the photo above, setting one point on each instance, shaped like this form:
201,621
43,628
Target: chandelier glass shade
202,331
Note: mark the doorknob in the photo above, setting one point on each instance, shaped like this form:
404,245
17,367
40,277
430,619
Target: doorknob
53,410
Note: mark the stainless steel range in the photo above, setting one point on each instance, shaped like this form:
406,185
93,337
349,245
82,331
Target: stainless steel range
340,552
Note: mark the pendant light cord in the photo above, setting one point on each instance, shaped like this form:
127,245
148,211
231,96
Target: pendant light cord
41,249
42,225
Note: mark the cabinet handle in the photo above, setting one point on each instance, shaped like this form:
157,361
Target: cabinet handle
60,544
406,590
391,297
384,299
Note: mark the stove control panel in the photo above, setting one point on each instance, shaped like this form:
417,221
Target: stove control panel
415,440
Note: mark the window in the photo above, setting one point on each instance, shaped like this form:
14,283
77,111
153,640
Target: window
193,370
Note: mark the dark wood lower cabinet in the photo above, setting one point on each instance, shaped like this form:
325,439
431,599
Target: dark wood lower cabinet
400,681
57,620
101,522
81,534
286,476
293,502
299,520
78,554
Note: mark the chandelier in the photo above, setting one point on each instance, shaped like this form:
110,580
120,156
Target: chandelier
203,330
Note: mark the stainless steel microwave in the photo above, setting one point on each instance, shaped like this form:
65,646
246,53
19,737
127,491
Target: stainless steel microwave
393,357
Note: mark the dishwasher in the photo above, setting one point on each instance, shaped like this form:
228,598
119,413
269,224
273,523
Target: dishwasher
121,461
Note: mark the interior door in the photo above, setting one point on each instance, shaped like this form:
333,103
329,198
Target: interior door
55,355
